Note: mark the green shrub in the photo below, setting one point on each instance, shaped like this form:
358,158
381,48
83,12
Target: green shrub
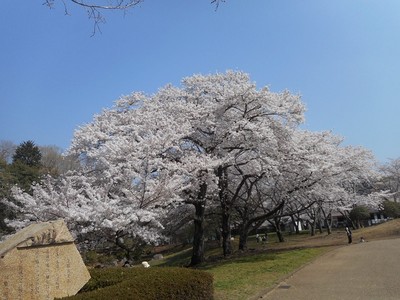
391,209
358,214
146,284
92,258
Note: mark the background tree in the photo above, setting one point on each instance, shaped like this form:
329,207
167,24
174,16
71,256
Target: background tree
6,183
53,161
28,154
390,179
5,179
23,171
22,167
25,166
391,208
7,149
359,214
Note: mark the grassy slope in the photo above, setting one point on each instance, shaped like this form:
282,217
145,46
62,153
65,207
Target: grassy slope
245,275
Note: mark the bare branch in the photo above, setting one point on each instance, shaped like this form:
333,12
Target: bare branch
114,5
217,2
94,8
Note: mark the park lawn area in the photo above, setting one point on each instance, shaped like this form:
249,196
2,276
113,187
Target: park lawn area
248,276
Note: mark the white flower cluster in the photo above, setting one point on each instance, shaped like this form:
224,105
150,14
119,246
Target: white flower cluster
216,138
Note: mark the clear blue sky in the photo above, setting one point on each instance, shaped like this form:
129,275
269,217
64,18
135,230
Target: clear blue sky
342,56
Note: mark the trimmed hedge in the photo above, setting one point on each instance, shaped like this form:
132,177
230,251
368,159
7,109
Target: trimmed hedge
146,284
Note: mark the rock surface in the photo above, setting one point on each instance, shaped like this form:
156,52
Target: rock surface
41,262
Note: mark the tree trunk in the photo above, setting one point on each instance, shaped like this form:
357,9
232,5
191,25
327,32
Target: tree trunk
244,234
329,227
328,222
279,234
351,222
226,233
198,236
358,223
295,224
320,226
312,228
222,174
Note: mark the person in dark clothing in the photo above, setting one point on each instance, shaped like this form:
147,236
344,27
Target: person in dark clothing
349,237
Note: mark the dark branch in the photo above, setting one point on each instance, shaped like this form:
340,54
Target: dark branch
94,8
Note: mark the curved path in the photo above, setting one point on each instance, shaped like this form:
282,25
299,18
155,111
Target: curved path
366,271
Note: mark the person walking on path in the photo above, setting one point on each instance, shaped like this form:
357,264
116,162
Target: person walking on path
349,237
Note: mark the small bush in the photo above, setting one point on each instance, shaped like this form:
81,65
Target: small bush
358,214
391,209
146,284
92,258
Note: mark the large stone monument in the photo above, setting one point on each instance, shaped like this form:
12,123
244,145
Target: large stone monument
41,262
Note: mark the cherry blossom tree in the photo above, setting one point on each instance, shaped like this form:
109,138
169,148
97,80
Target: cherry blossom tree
216,143
305,162
241,127
311,172
123,185
88,209
354,171
390,179
198,144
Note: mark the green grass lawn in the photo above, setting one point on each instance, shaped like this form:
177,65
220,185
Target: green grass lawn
242,278
247,274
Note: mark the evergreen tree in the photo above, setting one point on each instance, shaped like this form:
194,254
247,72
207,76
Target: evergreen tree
26,166
23,171
28,154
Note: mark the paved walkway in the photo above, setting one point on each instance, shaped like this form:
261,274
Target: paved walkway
366,271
